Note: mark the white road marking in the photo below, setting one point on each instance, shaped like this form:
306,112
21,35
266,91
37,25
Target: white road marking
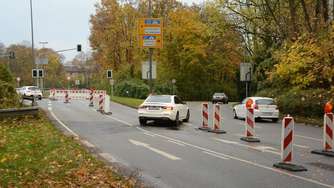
88,144
49,108
180,144
310,138
301,146
261,148
244,161
215,155
148,134
62,124
160,152
121,121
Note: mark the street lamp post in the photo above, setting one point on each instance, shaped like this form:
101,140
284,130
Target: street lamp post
32,40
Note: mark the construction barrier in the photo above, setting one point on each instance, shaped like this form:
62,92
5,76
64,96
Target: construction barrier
287,147
81,94
217,120
205,117
328,131
249,123
101,103
91,97
67,100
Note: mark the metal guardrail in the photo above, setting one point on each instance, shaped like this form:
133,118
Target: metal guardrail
13,112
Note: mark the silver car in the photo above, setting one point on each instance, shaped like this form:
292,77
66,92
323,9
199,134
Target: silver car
31,91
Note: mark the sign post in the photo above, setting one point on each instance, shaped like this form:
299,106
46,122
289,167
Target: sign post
246,74
150,36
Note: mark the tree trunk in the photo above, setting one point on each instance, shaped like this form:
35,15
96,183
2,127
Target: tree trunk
293,15
325,10
317,12
306,17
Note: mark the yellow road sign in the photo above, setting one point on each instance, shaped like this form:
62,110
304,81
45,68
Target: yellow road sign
150,32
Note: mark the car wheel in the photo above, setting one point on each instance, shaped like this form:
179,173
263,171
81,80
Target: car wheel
142,122
187,117
235,114
177,120
274,120
40,97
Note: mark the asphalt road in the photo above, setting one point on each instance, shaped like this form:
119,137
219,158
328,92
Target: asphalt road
191,158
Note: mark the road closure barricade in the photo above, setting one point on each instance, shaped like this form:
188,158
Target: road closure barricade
217,120
205,117
250,123
287,147
328,132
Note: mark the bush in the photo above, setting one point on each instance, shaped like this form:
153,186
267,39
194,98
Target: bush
132,88
306,103
8,96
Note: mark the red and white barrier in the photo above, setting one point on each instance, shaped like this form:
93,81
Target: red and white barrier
287,139
91,97
287,146
328,132
250,126
205,117
101,103
67,100
217,120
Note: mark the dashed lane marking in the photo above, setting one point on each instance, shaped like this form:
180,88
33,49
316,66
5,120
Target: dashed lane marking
215,155
148,134
177,143
301,146
158,151
307,137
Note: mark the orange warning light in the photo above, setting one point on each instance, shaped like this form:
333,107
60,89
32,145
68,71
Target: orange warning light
249,103
328,107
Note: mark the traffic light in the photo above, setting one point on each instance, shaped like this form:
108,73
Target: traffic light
34,73
79,47
109,74
40,73
11,55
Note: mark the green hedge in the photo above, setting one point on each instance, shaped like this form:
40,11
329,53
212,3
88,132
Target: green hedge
8,96
307,103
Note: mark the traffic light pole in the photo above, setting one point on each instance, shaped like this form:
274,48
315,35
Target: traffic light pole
32,41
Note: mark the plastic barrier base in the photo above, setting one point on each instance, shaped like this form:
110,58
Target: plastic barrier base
203,128
322,152
91,104
290,167
217,131
250,139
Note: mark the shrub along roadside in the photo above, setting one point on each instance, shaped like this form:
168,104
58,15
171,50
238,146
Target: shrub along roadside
33,153
307,105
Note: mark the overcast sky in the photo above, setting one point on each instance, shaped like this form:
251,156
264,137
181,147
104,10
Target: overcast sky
62,23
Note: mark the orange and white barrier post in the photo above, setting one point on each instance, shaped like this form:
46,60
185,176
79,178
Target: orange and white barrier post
328,132
250,123
205,117
287,147
101,103
217,120
91,97
66,97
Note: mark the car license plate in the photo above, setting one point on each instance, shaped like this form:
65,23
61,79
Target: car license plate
267,113
154,108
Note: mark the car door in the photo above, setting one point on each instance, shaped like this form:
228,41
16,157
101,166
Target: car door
180,107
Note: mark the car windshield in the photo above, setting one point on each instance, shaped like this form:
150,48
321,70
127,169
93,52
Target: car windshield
219,94
159,98
265,101
32,88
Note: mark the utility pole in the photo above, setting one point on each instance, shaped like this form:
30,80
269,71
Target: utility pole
150,53
32,41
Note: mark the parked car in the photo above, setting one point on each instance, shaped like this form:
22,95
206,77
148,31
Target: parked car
163,108
220,97
31,91
264,108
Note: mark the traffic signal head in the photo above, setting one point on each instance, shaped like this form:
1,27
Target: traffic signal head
109,74
79,47
40,73
34,73
11,55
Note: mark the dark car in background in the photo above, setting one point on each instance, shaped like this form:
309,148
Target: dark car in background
220,97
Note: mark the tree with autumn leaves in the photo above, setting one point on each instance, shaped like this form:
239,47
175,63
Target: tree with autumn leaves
202,50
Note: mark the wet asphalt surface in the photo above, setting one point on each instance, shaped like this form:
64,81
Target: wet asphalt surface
187,157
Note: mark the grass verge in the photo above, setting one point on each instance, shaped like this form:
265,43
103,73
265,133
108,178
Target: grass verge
33,153
131,102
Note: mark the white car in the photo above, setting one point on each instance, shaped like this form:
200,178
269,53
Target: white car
31,91
163,108
264,108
